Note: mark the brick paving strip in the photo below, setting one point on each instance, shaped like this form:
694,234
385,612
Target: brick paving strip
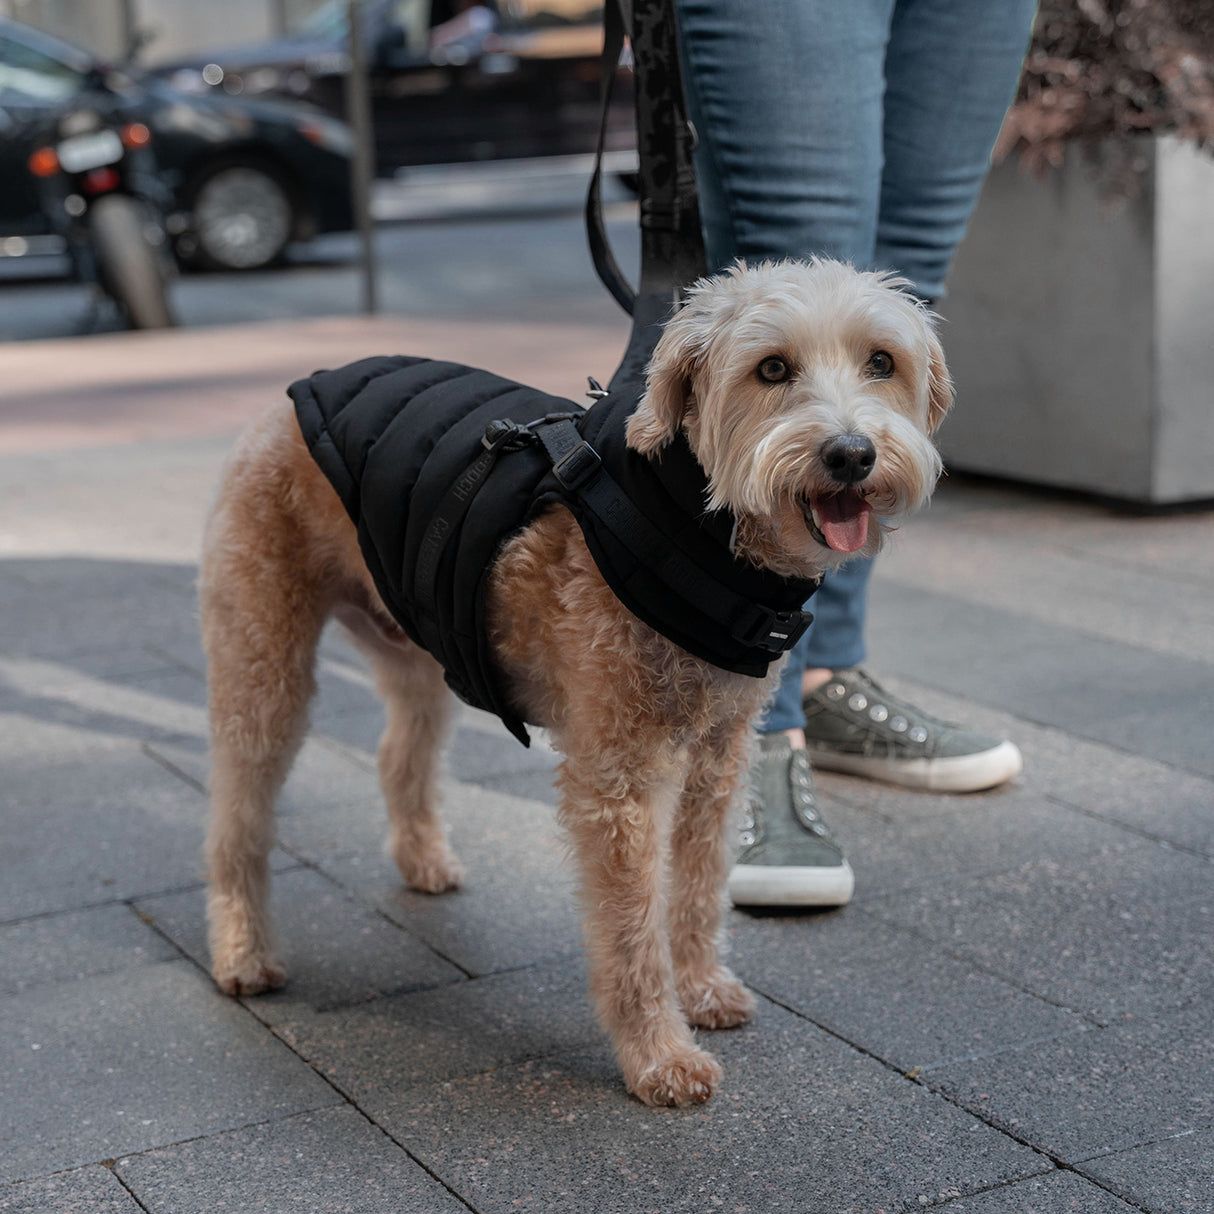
135,387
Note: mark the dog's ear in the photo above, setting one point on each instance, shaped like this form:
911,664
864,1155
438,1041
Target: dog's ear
939,384
668,389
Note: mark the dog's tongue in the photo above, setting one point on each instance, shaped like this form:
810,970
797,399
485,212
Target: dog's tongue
843,518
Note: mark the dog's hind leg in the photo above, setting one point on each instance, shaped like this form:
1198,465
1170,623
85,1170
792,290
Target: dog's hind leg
617,807
261,624
418,707
700,856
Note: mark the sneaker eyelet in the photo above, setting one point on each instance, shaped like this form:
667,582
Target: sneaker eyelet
746,838
899,724
858,702
917,734
836,691
878,713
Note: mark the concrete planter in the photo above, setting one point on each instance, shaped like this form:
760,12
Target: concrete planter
1081,335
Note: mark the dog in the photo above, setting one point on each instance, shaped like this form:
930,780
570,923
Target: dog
807,392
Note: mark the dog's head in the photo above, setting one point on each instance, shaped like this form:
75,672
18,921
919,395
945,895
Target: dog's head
807,391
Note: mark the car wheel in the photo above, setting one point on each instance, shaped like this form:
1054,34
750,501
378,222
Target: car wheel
243,218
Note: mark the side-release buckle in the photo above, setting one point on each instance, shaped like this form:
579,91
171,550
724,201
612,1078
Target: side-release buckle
507,435
775,631
577,466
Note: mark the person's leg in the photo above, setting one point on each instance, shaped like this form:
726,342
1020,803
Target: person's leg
835,640
787,100
783,712
836,637
950,68
786,97
951,72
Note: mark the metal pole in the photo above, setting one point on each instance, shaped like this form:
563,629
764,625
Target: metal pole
129,23
362,164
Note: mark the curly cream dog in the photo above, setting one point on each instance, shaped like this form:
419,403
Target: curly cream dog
807,392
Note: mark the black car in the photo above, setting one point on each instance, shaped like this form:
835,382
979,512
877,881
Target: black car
450,81
245,175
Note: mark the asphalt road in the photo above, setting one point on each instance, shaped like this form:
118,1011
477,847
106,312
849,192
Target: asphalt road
486,244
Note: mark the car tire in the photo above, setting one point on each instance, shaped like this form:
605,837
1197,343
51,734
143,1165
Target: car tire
243,216
131,268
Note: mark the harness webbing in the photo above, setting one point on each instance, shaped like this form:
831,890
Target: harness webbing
577,467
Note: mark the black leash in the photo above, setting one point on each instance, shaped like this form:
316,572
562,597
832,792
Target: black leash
672,243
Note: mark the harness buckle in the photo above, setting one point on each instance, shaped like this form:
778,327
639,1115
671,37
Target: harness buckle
577,466
509,435
775,631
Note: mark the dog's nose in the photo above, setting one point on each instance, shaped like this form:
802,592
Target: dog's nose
849,458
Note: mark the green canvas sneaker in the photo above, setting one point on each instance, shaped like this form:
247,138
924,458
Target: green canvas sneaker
853,724
788,856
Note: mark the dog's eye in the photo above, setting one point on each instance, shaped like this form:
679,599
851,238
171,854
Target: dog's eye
880,364
773,370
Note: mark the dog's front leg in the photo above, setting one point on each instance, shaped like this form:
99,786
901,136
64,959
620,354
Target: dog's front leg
700,857
618,814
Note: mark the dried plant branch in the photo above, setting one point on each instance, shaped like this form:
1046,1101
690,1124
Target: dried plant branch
1100,71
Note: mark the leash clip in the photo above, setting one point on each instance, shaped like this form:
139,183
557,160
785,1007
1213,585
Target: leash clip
506,435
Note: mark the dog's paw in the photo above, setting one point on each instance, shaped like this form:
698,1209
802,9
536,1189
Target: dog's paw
722,1003
687,1078
432,871
434,876
249,975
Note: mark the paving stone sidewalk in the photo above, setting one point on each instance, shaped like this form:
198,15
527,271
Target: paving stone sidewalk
1014,1015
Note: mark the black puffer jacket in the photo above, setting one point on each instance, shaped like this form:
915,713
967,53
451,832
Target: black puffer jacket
404,443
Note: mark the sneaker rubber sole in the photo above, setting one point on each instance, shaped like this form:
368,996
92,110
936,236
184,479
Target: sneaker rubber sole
957,773
775,885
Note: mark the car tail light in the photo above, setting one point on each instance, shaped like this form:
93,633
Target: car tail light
136,135
100,180
44,162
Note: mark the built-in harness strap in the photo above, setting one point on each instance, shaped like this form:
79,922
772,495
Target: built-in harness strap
580,472
499,437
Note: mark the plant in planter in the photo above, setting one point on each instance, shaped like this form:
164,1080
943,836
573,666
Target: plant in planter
1099,72
1081,301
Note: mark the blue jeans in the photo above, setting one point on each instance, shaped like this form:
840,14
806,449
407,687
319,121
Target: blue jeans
858,130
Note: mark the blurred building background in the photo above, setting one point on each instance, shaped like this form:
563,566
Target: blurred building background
172,27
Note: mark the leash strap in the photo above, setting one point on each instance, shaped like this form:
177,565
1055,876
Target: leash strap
605,264
672,245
